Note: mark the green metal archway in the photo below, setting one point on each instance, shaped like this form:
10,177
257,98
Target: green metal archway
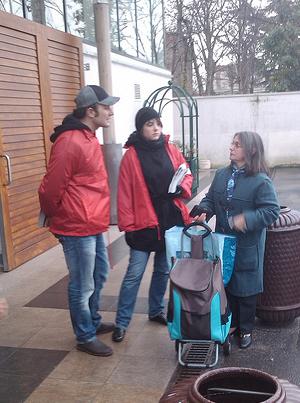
188,113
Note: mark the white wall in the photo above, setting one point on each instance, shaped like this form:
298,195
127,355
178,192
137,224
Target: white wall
275,116
125,73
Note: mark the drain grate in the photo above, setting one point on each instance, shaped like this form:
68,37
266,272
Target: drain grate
199,353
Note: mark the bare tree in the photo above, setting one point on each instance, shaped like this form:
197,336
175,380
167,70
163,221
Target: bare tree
244,39
209,22
178,44
198,79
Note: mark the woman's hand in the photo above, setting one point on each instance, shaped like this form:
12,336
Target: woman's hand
177,192
239,223
198,213
200,218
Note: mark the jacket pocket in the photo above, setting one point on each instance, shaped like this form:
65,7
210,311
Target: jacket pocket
246,258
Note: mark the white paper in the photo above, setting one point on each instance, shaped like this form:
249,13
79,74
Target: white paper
178,176
43,220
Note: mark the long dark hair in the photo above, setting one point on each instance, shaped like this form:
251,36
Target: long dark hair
254,153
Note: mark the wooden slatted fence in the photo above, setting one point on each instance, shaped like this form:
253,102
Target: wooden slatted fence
41,70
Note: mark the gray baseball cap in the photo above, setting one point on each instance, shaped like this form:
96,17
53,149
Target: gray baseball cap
94,94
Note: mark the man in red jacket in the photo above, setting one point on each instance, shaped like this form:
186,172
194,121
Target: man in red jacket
74,195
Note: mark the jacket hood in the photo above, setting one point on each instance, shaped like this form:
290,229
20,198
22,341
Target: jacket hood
132,139
69,123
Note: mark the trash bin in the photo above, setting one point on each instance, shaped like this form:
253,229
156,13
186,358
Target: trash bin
236,385
280,301
230,385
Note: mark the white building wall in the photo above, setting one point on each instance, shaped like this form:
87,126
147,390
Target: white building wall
126,72
275,116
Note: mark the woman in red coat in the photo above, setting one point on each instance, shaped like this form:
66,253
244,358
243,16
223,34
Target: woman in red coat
146,210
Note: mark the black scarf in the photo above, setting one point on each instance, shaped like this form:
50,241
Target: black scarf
158,171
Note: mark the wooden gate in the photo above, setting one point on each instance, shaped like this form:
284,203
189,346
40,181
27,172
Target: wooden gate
41,70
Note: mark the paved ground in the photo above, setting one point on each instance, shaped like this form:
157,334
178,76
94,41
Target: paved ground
38,361
287,183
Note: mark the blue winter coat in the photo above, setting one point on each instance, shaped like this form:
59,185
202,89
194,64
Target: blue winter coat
255,197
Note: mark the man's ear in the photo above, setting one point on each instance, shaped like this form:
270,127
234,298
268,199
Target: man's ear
90,112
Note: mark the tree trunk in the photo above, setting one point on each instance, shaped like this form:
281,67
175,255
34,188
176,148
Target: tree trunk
196,70
210,73
38,11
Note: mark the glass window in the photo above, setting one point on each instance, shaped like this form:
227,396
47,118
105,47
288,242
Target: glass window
12,6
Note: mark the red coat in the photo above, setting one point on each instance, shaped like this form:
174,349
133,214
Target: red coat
135,209
74,193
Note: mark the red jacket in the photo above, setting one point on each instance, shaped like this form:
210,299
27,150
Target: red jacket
74,193
135,209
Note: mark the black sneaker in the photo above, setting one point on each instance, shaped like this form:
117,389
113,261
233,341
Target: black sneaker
245,340
95,347
118,334
105,327
160,318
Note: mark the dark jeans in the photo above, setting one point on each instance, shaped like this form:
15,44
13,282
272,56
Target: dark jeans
243,312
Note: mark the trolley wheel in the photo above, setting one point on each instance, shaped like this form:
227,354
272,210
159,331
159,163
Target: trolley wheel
227,346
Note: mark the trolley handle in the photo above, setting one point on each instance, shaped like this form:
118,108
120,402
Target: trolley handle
195,223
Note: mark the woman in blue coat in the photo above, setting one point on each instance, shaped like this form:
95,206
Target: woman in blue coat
243,199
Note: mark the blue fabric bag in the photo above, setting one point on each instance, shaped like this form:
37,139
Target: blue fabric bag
214,245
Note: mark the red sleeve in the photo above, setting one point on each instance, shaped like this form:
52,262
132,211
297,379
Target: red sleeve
125,195
59,172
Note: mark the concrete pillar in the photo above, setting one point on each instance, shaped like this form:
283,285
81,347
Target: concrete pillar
112,151
102,33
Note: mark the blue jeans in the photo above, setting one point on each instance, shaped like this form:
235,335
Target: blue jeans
131,283
88,265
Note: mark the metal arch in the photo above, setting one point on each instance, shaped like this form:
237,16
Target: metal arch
188,112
